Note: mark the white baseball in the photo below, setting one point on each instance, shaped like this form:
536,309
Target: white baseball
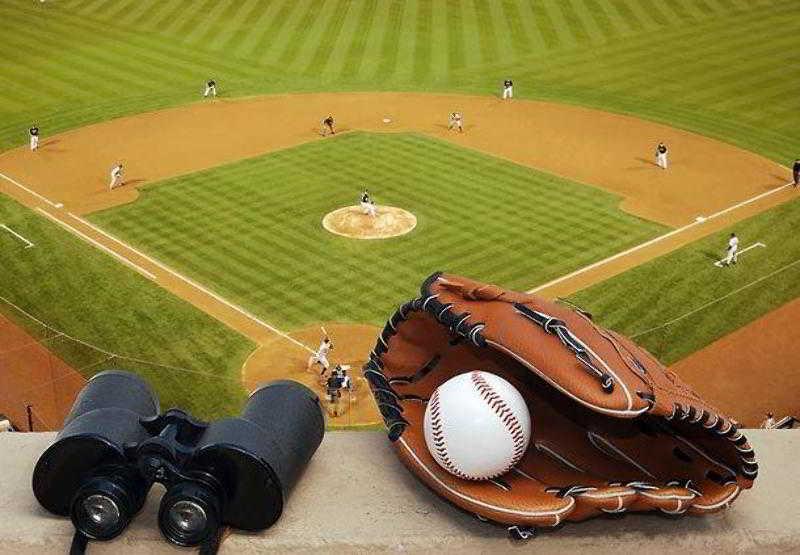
477,426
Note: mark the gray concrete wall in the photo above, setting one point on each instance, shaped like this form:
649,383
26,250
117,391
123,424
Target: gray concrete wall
356,497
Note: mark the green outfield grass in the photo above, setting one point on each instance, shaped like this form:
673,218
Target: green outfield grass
74,287
252,230
686,280
725,68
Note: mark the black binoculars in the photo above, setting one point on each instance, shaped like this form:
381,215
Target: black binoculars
234,472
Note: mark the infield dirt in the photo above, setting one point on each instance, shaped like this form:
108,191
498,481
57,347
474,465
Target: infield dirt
610,151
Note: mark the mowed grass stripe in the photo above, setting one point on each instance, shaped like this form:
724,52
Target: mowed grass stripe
693,281
260,221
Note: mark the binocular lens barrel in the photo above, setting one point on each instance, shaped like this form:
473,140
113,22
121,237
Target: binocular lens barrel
291,414
115,389
189,514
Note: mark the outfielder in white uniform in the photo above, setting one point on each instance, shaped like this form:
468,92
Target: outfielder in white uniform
116,176
320,356
508,89
368,205
211,89
661,156
456,121
733,249
34,133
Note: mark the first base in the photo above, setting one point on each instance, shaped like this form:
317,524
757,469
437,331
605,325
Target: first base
387,120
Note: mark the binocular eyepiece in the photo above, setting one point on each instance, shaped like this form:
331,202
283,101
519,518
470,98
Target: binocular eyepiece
235,472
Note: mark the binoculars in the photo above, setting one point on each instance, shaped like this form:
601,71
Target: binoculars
234,472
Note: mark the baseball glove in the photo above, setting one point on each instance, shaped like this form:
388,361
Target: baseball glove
612,429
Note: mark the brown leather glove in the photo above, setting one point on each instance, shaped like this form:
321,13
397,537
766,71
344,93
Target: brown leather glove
613,429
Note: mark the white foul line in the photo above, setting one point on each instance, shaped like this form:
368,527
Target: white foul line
720,262
193,283
655,240
34,193
105,249
28,244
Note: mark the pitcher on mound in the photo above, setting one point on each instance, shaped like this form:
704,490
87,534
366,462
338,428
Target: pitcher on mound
368,205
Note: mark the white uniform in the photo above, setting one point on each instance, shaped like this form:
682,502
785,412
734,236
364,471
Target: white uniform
508,89
211,89
768,423
661,156
368,206
116,176
34,133
733,249
321,355
456,121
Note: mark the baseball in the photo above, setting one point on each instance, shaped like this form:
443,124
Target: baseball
477,426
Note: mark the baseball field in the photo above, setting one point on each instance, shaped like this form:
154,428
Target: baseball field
209,269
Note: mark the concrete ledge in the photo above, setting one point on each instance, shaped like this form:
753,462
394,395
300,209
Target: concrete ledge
357,497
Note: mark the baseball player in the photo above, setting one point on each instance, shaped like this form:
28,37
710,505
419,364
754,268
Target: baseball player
116,177
508,89
769,422
456,121
733,249
368,205
320,356
211,89
796,173
333,390
34,133
327,125
661,156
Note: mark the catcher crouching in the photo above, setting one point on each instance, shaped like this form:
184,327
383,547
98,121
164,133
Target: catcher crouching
612,430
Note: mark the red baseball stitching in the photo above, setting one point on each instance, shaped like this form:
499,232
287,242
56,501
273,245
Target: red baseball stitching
507,417
439,444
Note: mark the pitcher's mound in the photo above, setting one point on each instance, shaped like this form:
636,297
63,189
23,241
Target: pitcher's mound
351,221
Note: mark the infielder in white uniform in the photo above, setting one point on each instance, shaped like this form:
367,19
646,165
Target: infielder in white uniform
456,121
368,205
320,356
733,249
116,176
661,156
34,133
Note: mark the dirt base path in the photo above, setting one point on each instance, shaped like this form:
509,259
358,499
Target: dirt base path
610,151
752,371
32,375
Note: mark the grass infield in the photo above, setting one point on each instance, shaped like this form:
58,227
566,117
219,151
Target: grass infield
252,230
76,288
685,280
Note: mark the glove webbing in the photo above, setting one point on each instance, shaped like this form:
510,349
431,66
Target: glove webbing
557,327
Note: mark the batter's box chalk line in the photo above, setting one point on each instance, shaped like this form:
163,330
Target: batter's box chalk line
721,263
